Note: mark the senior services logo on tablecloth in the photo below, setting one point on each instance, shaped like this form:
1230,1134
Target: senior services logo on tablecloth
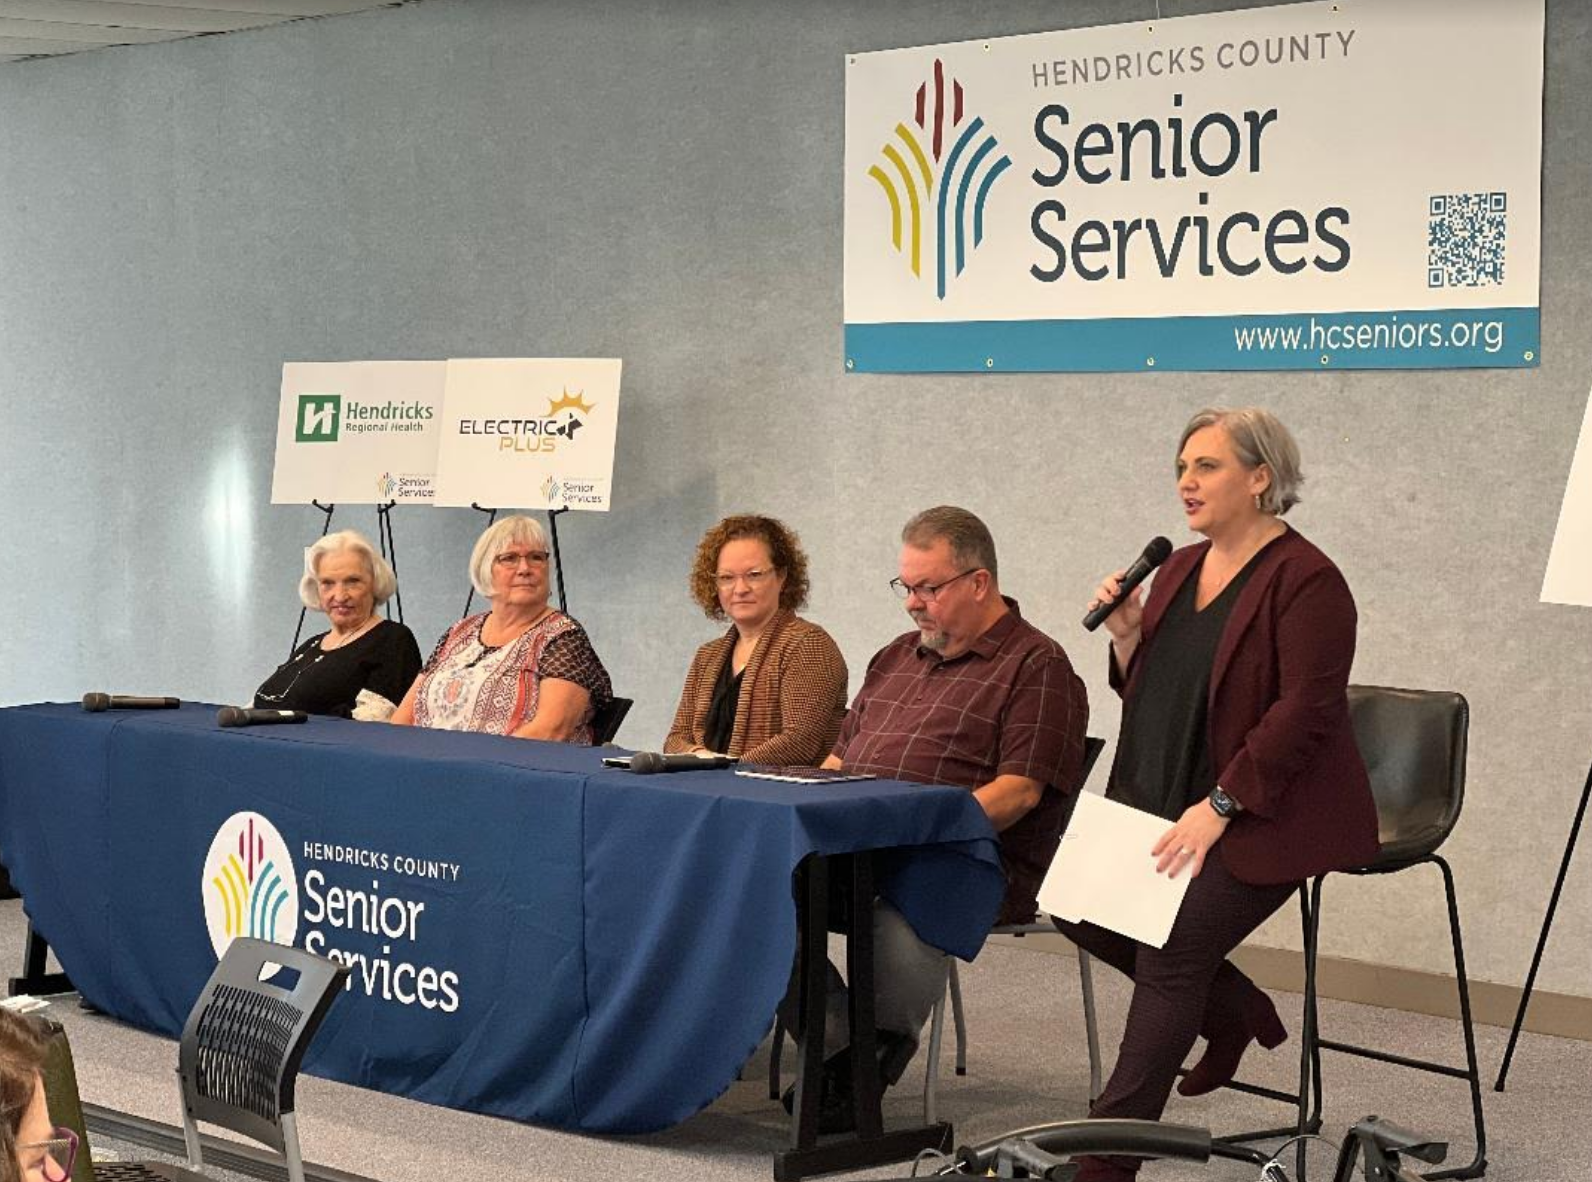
930,200
250,888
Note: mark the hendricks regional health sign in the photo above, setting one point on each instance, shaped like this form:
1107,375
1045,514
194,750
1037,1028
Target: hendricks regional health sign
1309,186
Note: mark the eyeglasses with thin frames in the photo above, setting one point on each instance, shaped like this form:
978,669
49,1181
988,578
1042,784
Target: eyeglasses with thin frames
927,592
60,1154
754,578
512,559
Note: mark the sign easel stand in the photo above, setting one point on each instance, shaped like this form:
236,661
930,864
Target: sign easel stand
1547,925
389,551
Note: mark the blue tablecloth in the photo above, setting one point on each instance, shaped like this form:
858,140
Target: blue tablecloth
531,935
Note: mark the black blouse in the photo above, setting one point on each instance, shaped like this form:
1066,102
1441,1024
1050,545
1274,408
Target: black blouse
386,661
1163,761
719,725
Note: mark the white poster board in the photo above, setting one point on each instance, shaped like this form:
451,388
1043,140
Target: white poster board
357,432
1569,576
1306,186
529,432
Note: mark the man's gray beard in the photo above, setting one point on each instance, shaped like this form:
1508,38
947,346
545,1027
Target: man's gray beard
933,640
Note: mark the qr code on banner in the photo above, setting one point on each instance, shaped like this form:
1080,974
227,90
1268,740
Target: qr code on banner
1465,239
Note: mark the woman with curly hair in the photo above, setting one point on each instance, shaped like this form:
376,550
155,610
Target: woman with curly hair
773,688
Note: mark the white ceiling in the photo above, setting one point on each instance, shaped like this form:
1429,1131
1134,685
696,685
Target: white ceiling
49,28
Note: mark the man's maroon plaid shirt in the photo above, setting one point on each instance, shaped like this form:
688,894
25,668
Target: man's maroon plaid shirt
1010,705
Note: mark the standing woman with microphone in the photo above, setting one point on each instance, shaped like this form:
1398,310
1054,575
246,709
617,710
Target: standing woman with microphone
1235,728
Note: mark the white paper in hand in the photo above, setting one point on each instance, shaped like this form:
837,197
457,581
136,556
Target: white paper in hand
1103,873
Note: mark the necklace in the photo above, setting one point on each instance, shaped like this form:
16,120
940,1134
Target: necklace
351,637
488,649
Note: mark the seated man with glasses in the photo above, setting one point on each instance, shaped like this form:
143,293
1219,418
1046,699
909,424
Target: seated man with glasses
523,668
977,697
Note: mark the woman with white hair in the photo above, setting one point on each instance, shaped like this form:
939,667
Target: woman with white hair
364,663
523,668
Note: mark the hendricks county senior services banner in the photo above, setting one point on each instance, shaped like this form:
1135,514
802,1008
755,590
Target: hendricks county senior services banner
1308,186
529,432
357,432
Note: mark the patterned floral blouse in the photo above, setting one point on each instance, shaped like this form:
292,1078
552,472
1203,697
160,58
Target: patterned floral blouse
471,686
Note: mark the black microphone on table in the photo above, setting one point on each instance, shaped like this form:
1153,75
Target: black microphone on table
1154,555
95,703
241,716
645,763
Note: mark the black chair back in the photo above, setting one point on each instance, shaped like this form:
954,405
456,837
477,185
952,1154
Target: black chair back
1092,747
63,1098
245,1038
1413,743
606,719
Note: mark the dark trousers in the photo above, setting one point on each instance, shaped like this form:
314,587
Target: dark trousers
1182,991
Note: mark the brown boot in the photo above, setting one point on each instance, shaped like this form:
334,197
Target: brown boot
1224,1049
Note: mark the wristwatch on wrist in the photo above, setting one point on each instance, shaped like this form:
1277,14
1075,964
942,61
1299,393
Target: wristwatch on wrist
1224,804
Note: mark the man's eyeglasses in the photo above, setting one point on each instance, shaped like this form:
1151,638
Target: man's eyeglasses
927,591
55,1156
754,578
510,559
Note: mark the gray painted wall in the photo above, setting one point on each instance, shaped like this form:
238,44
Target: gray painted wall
661,182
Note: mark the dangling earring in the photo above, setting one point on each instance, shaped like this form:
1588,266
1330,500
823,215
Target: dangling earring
1257,501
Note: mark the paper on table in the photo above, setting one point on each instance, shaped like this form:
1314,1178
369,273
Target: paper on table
1103,873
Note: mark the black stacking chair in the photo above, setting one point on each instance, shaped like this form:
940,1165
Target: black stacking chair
240,1055
61,1094
1092,748
238,1060
1413,743
606,720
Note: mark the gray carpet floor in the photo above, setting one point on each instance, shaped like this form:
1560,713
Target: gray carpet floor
1027,1065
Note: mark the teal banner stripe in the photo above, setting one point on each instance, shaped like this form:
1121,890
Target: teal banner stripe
1466,338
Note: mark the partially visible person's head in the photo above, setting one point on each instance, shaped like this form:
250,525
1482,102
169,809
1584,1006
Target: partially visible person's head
345,578
510,563
948,577
1262,448
748,567
28,1151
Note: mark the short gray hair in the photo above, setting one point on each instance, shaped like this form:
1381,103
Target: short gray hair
971,544
1258,438
382,580
497,538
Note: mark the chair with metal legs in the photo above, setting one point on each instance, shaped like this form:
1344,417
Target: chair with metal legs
1413,743
1091,753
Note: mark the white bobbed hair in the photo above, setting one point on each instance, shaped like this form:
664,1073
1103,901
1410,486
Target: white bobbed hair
382,580
497,538
1258,438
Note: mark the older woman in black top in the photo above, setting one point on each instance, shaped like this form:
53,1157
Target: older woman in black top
361,667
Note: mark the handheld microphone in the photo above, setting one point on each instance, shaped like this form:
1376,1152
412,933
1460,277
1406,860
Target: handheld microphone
1154,555
239,716
95,703
645,763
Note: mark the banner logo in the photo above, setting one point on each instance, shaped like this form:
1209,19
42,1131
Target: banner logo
319,417
249,885
942,201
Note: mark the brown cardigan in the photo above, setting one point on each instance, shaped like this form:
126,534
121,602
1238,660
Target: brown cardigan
793,695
